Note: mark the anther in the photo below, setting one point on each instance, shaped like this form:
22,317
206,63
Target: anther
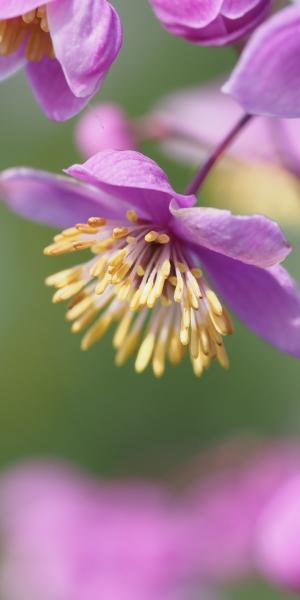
151,236
132,216
163,238
96,221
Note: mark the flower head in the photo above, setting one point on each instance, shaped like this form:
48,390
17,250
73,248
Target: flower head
66,42
159,265
266,80
211,22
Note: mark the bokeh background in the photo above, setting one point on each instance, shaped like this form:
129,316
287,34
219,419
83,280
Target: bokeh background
59,402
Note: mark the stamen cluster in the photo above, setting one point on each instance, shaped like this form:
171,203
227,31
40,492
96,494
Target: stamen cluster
141,277
30,29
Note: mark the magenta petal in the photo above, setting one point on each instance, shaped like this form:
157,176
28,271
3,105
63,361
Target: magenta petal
278,546
133,178
254,240
87,37
56,99
14,8
266,80
234,9
54,200
266,300
195,13
211,22
11,63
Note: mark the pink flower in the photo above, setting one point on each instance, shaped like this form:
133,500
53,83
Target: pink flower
278,546
153,252
211,22
194,120
232,487
66,47
67,537
102,127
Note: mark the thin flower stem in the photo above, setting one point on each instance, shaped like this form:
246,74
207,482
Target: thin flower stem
216,154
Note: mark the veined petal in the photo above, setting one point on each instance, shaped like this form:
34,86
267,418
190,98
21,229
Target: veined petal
57,100
87,37
51,199
266,80
133,178
14,8
194,13
215,22
266,300
253,239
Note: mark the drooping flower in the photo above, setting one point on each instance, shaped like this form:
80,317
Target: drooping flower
211,22
66,47
266,80
149,246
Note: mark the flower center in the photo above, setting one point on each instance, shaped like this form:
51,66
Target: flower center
30,29
141,277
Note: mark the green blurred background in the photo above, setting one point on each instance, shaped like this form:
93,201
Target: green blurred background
56,400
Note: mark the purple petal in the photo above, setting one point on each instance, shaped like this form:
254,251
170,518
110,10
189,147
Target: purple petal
266,300
278,547
133,178
255,240
56,100
54,200
212,22
266,80
11,63
195,13
234,9
14,8
87,37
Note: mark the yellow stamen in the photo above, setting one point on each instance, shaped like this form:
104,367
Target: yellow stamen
151,236
163,238
145,283
32,29
132,216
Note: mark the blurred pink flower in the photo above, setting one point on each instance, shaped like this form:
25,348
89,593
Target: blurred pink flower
104,126
66,537
230,490
278,544
195,120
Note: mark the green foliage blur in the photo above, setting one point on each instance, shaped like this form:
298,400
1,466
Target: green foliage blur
59,402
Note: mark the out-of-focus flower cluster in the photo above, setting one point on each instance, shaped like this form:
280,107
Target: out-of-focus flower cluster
234,512
259,169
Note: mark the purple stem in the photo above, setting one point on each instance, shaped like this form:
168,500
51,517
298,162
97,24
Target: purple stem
216,154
